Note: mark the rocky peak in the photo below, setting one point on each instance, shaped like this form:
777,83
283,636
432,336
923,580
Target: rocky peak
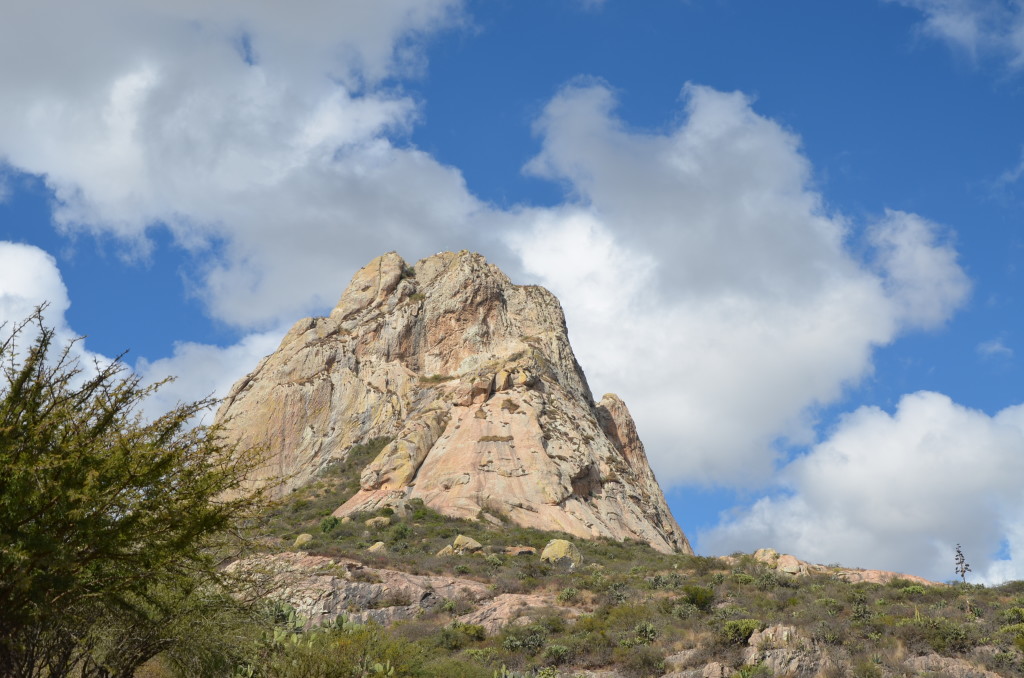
473,380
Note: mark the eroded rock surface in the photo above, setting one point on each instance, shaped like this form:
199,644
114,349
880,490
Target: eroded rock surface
321,589
475,383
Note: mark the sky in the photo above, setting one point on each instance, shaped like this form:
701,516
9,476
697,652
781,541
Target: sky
787,234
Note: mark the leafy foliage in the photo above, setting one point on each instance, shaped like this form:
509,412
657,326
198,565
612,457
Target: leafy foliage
107,521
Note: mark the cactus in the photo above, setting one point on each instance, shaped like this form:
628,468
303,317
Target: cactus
385,669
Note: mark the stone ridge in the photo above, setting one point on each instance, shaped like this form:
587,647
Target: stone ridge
475,383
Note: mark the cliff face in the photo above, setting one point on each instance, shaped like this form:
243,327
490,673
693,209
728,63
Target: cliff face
475,382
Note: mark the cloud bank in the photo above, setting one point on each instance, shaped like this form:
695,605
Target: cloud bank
899,490
704,278
262,137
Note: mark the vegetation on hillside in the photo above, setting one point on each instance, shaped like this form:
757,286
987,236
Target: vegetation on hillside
640,606
114,531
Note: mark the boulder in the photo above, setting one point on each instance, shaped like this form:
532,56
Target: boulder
790,565
378,522
378,547
464,544
562,552
302,540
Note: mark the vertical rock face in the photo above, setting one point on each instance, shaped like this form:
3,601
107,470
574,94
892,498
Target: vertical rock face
473,380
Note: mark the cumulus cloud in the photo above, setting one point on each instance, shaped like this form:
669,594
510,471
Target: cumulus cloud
703,278
978,27
204,370
260,135
898,491
30,279
921,274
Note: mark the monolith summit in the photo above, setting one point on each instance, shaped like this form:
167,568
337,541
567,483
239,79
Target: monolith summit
473,380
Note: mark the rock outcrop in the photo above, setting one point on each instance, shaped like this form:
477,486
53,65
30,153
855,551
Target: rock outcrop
789,564
322,589
474,382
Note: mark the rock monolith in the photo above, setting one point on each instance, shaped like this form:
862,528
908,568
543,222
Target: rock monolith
473,381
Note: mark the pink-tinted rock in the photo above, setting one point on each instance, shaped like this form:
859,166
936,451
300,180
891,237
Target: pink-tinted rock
475,383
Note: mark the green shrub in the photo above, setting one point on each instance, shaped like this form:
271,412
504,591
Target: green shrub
828,633
700,565
362,651
645,633
457,635
867,669
529,639
1012,630
831,606
665,581
699,596
640,661
768,581
328,524
738,631
568,595
457,667
684,611
556,654
941,635
398,532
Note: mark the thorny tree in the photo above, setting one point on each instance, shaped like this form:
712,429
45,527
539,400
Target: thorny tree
111,526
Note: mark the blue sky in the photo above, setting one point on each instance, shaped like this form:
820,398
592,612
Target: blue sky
787,234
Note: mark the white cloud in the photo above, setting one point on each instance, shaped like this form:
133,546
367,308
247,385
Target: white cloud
976,26
921,275
703,279
898,491
1012,175
29,279
257,133
202,370
994,348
